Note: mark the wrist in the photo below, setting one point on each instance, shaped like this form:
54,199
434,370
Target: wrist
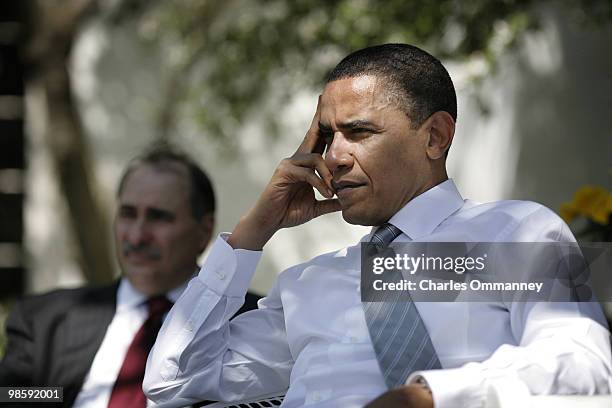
249,234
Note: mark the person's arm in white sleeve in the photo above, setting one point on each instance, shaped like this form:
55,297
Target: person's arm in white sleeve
564,348
562,351
200,355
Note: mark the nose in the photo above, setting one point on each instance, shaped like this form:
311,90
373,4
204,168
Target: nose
339,155
138,233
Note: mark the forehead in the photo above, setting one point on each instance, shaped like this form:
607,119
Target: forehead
157,186
353,98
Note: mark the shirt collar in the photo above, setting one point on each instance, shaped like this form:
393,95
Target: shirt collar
421,215
129,297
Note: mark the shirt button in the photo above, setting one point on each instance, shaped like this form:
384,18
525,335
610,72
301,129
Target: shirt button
189,326
354,339
316,397
220,275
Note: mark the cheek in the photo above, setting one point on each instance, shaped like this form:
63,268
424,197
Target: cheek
164,239
180,240
380,164
120,231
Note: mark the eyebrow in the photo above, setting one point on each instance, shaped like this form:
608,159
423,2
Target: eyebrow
354,124
149,211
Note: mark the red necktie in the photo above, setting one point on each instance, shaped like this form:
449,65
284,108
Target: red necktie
127,391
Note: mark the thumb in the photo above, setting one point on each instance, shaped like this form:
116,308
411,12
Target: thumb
327,206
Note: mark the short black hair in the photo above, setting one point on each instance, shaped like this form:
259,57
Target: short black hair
417,80
159,155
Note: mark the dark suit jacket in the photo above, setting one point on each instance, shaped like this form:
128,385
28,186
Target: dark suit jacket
53,338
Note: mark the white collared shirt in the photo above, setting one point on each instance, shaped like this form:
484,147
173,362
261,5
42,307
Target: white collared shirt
130,314
310,335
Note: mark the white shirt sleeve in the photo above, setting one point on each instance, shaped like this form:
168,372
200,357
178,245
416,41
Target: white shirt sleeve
561,352
195,358
563,348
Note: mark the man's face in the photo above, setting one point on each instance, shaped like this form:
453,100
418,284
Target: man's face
378,161
157,237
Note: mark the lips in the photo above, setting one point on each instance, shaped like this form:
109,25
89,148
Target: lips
345,187
136,258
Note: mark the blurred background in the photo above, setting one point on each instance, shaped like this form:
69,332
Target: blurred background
85,85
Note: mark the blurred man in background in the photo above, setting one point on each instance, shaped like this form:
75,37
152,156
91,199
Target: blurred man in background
94,341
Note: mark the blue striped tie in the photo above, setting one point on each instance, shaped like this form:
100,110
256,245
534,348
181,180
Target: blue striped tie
398,334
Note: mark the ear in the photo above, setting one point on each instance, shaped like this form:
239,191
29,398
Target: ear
441,128
207,227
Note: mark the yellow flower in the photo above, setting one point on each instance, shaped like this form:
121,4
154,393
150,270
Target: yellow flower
602,214
593,202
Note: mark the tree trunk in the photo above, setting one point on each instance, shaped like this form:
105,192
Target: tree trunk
53,27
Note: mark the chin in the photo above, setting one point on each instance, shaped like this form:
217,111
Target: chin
356,217
139,276
139,271
144,285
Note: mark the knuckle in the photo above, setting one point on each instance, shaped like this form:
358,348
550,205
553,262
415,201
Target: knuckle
282,167
315,159
295,157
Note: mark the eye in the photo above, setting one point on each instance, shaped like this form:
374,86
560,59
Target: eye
360,133
127,212
160,215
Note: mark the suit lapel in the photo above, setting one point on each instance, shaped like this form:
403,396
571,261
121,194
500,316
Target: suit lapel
85,327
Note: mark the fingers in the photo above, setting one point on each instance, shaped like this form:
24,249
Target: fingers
314,124
301,168
316,161
327,206
307,175
312,142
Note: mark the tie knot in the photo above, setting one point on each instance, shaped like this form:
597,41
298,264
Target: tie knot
158,305
385,234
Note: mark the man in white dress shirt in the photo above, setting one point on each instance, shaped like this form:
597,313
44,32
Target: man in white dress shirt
378,141
93,342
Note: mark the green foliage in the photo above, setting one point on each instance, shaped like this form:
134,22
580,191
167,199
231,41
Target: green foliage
233,53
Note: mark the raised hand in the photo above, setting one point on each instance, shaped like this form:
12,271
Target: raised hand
289,199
